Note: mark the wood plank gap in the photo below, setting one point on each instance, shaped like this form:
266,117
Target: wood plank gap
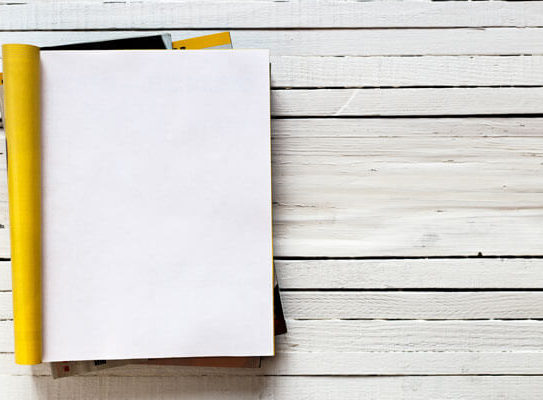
339,258
414,116
370,87
421,289
325,258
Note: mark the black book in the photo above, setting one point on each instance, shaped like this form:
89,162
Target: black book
163,41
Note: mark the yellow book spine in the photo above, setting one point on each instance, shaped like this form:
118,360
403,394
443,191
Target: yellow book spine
22,122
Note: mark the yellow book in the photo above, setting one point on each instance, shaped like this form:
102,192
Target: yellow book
21,66
165,184
22,93
215,41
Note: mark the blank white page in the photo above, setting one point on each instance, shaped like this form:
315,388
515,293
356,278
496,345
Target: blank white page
157,204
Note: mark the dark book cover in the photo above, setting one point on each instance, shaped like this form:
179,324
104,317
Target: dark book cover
163,41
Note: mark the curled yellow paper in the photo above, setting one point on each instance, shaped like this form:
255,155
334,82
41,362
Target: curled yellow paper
21,65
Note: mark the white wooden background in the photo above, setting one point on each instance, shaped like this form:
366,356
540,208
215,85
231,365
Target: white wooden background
408,197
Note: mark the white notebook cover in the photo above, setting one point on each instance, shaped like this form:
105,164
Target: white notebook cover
157,204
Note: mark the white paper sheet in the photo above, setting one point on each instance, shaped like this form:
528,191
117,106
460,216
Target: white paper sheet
157,204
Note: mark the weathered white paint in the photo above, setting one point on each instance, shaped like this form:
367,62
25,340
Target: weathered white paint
330,42
411,127
472,273
398,71
336,363
336,335
284,388
362,187
309,305
99,14
450,188
418,102
402,102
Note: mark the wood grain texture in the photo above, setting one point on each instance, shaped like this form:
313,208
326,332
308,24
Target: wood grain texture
338,336
240,388
400,274
402,102
414,348
418,184
410,336
400,71
334,363
395,305
407,196
372,188
342,43
407,127
472,273
98,14
406,102
412,305
419,102
373,102
6,306
5,276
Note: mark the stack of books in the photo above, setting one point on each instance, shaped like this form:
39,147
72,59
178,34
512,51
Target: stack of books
140,203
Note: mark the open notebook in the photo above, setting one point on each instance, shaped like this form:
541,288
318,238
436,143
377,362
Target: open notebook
155,212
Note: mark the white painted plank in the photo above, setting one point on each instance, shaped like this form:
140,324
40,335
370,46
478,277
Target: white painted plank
473,273
406,102
387,162
400,71
411,127
34,15
411,305
350,336
397,71
344,42
401,102
350,192
394,305
407,196
356,363
284,388
382,363
410,336
334,363
470,273
498,208
6,336
5,276
6,305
